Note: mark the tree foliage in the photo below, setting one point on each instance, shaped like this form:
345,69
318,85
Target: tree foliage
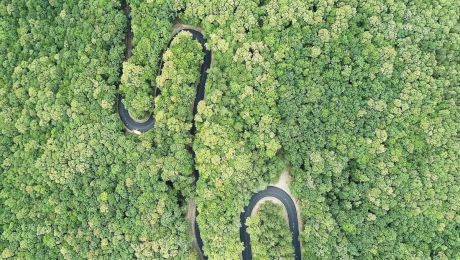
269,232
138,94
360,98
73,184
370,124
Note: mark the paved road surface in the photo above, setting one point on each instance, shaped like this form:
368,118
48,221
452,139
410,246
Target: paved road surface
288,203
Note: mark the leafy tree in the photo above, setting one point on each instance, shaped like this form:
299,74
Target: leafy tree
269,232
360,98
73,184
138,98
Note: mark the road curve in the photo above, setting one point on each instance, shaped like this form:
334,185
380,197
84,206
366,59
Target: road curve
143,126
288,203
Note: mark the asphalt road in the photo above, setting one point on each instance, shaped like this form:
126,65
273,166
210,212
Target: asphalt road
288,203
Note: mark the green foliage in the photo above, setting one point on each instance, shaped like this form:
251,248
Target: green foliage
269,231
138,96
173,110
73,184
370,122
151,25
359,97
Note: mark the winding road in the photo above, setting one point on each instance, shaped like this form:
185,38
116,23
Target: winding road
286,200
143,126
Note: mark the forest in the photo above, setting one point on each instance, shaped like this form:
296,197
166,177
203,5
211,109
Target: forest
270,236
358,99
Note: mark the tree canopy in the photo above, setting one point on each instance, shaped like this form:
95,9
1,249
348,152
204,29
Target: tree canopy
358,98
269,232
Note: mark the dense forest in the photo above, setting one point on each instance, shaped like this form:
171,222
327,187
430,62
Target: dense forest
269,231
359,99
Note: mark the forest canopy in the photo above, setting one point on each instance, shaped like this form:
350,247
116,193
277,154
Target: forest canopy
359,99
269,232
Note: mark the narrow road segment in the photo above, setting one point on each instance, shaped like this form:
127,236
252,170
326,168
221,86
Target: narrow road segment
289,205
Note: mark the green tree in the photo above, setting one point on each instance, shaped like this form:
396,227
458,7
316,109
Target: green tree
269,232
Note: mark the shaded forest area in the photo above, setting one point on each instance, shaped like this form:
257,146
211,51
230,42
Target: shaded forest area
359,98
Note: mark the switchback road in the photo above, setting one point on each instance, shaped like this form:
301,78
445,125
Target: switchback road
286,200
143,126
